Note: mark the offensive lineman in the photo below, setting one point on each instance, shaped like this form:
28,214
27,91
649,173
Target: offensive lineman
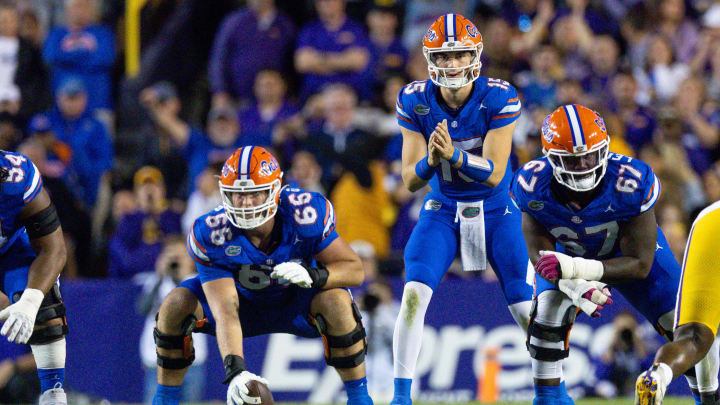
32,255
588,219
269,261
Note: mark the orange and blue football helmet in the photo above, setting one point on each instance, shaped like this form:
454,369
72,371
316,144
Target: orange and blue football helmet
251,169
576,143
452,33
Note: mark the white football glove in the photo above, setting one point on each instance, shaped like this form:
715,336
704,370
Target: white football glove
589,296
292,272
238,391
576,267
20,317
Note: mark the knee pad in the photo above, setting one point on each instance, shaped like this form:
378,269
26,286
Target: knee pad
342,341
52,307
183,342
553,334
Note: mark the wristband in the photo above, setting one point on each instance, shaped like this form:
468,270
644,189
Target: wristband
455,157
475,167
423,169
234,365
319,275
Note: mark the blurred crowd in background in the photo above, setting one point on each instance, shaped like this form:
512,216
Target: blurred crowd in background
130,108
129,138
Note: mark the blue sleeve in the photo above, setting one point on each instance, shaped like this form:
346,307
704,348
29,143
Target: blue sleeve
32,183
517,193
406,117
504,104
219,55
322,229
200,250
649,189
24,181
209,273
103,57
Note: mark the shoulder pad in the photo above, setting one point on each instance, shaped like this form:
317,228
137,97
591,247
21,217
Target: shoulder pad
311,213
530,181
208,234
503,103
634,183
23,180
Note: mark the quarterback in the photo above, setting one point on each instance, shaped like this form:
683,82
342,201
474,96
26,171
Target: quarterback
32,255
457,134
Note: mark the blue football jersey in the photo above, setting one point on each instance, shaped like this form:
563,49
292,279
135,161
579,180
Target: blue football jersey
493,104
19,189
628,189
307,221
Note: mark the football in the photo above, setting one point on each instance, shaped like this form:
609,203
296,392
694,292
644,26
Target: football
258,389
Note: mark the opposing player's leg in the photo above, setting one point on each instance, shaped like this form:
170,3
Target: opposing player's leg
552,318
697,315
48,339
435,232
338,320
179,315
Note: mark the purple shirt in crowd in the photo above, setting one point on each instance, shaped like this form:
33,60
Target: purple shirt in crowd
244,46
315,35
138,241
257,130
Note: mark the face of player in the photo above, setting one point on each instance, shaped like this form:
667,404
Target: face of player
249,199
452,60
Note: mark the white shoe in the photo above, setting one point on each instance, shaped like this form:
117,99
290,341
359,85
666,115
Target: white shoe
649,387
54,396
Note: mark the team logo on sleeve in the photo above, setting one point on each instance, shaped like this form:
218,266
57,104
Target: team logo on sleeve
432,205
421,109
536,205
233,250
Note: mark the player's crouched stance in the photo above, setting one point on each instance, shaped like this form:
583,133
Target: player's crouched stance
588,219
32,255
269,261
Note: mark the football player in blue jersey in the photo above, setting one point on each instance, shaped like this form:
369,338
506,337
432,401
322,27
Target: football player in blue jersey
588,219
269,261
32,255
457,132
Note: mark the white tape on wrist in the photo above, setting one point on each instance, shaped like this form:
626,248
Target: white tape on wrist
588,269
33,297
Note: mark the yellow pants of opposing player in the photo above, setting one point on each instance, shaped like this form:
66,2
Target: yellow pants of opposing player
699,293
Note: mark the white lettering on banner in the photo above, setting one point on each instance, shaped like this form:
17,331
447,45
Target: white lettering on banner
439,357
514,358
282,350
454,339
